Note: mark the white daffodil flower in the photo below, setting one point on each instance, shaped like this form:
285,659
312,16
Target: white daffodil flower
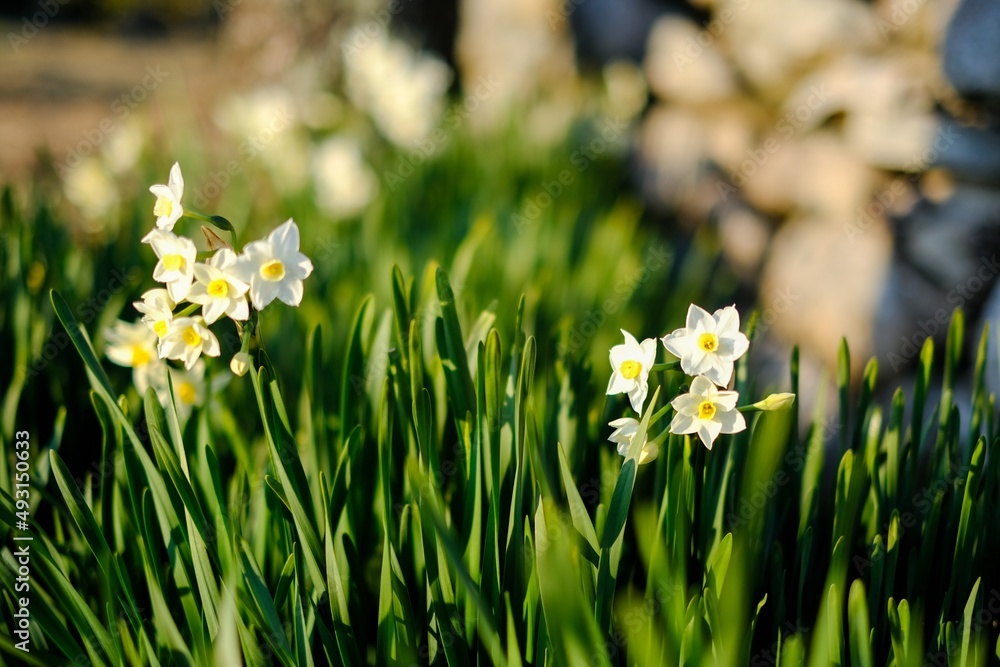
709,344
274,267
631,363
168,209
189,388
177,255
153,374
625,430
706,411
187,339
133,345
218,290
157,310
130,344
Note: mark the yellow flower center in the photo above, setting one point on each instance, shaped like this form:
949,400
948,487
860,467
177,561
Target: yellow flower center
140,356
708,341
706,410
630,369
160,328
173,262
218,288
191,337
187,393
163,207
273,271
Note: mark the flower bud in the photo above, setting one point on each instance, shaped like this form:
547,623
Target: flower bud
240,363
775,402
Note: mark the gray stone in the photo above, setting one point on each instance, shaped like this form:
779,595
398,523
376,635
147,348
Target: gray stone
970,154
972,50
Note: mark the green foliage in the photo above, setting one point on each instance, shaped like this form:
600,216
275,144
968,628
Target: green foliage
420,475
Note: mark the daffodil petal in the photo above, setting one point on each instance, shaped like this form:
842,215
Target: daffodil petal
726,399
698,320
683,424
727,320
731,421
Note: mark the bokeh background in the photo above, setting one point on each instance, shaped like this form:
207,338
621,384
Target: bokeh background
830,162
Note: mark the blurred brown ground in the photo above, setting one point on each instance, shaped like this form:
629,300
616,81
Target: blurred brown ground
64,83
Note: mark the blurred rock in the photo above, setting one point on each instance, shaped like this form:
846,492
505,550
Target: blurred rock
945,256
680,68
971,154
775,40
608,30
972,52
820,286
521,45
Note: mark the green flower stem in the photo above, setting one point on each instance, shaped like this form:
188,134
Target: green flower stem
188,311
664,434
659,414
215,220
667,366
189,213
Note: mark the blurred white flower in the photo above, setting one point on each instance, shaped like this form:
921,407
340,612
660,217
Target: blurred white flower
130,344
343,182
177,255
189,388
274,268
403,91
133,345
631,363
266,120
709,344
168,209
706,411
90,188
625,430
218,290
157,310
124,146
187,339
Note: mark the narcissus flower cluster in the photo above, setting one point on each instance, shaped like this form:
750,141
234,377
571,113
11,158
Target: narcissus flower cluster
207,287
707,350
